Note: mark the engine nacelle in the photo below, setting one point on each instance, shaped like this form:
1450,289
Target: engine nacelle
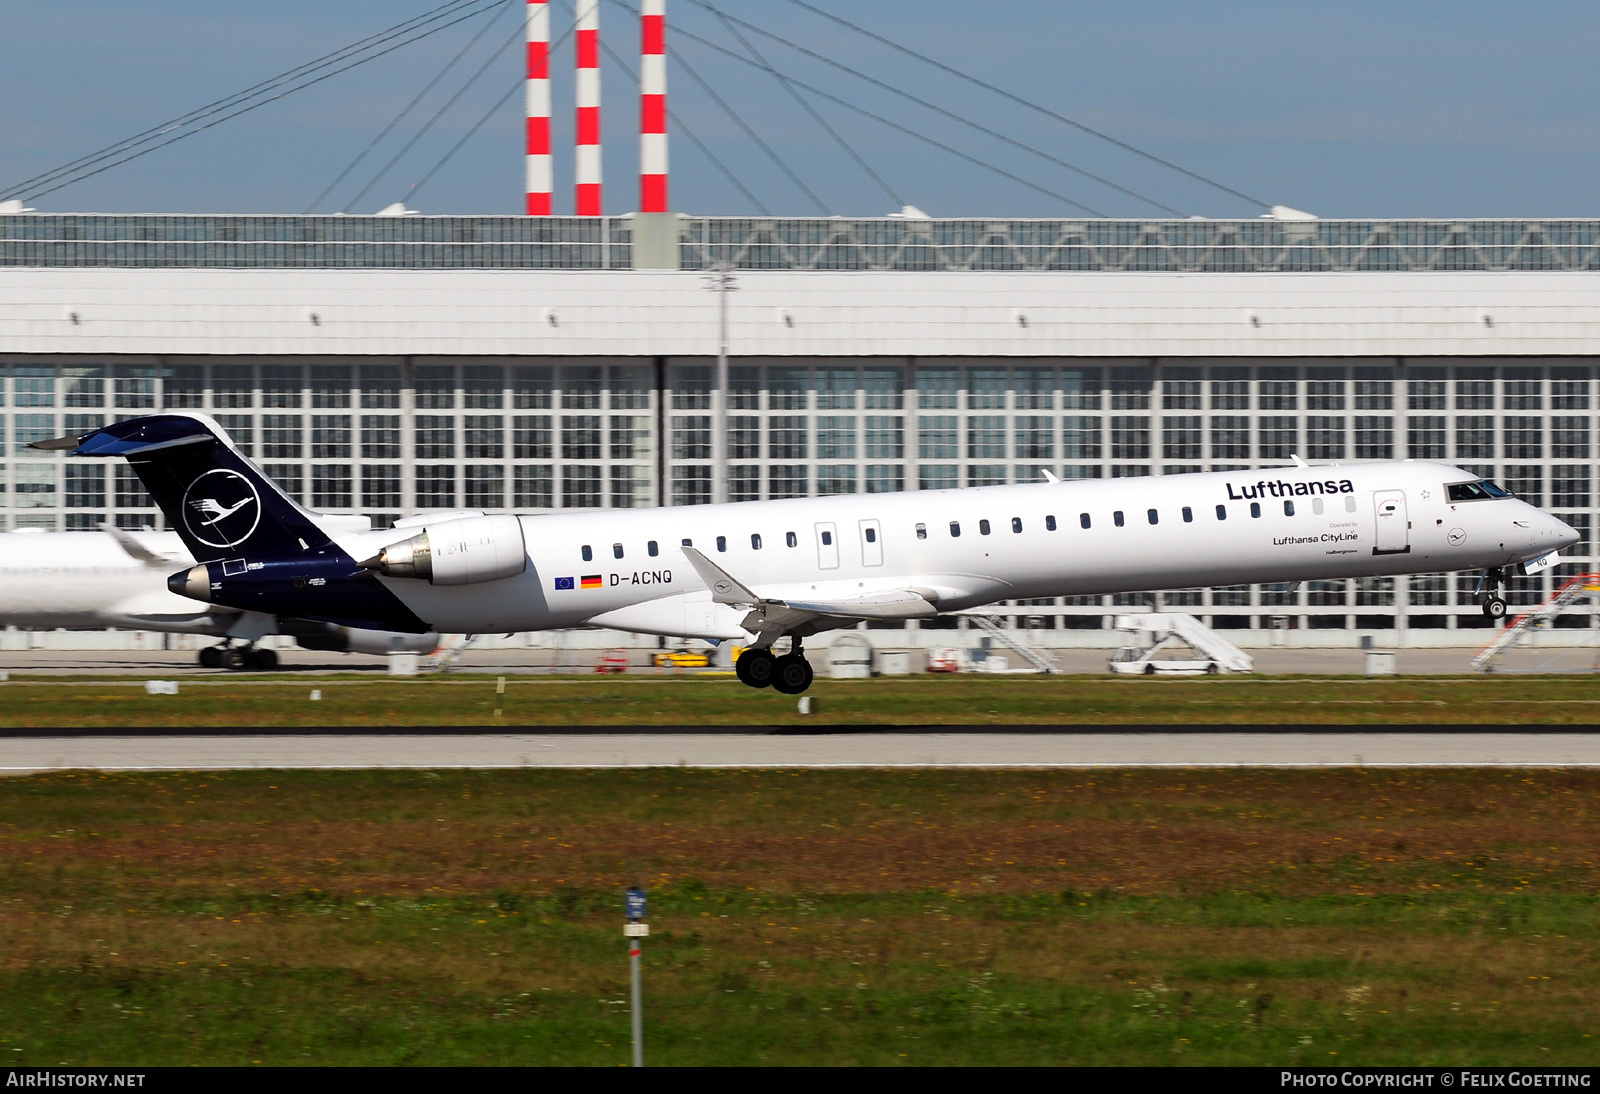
457,552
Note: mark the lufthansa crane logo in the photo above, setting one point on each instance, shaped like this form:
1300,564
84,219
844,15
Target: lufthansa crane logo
221,508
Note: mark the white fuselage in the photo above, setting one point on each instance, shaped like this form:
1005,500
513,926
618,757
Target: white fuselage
1354,520
90,581
81,580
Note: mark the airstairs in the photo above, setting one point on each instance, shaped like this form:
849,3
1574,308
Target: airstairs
1542,616
995,627
1158,631
451,647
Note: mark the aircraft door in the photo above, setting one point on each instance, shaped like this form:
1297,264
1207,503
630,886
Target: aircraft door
827,547
1393,523
871,543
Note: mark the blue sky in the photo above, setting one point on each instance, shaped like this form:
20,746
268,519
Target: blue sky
1354,109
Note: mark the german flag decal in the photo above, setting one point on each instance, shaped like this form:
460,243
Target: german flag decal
591,581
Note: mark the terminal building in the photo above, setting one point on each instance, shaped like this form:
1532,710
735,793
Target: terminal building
390,365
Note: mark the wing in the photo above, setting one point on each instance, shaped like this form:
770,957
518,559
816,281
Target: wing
768,613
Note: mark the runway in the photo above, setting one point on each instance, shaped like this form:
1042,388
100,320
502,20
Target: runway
1446,747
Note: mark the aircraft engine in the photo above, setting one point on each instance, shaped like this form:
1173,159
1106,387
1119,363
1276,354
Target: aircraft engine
465,551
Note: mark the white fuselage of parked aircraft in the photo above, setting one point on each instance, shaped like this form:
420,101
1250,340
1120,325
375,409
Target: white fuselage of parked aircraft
118,579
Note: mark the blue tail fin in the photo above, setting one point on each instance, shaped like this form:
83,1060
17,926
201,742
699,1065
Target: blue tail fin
218,502
257,550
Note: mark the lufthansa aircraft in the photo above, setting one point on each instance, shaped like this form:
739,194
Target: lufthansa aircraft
756,572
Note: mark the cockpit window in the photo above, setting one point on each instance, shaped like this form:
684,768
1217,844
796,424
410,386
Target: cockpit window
1482,490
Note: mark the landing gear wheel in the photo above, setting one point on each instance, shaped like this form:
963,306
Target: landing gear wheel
793,675
756,668
1149,670
1494,608
211,657
263,660
233,658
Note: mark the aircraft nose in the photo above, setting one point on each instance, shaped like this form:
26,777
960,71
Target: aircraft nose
1562,534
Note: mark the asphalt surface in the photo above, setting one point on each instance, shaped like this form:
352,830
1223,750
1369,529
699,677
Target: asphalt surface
1446,747
1422,662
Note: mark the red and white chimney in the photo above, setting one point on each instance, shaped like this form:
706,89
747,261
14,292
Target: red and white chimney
540,178
653,106
587,165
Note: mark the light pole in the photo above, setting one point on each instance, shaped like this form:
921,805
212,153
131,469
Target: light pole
634,930
720,281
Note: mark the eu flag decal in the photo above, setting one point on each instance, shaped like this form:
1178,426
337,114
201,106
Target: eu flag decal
563,583
592,581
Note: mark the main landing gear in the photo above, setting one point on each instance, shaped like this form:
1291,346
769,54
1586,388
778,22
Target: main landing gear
790,674
1489,589
238,658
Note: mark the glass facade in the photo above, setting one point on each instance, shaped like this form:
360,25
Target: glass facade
386,437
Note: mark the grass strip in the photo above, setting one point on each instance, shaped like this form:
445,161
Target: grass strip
1357,917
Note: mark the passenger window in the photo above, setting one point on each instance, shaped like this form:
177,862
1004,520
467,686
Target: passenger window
1083,519
1316,506
688,543
922,531
651,549
616,550
1349,503
1288,508
872,535
755,541
791,539
1222,512
588,554
983,527
955,529
1188,515
1255,509
1116,518
1016,524
1155,517
827,539
722,543
1049,524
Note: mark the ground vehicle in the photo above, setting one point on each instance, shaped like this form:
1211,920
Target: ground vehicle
681,659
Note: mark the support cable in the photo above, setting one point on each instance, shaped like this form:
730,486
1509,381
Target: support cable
751,133
1020,101
371,42
469,134
809,109
918,100
681,33
516,36
689,133
398,118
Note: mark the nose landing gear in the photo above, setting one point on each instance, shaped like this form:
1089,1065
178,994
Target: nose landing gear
789,675
1494,607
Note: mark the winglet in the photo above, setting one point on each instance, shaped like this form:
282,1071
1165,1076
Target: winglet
1298,462
135,549
1048,477
724,589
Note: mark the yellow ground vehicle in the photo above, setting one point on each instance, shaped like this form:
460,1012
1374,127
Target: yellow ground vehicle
681,659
